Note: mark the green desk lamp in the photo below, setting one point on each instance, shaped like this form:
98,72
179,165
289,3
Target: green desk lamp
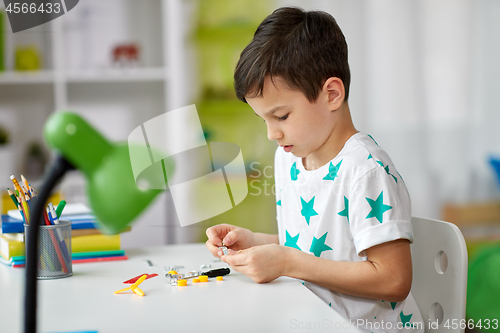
113,194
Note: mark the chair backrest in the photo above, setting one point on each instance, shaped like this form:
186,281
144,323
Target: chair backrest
439,257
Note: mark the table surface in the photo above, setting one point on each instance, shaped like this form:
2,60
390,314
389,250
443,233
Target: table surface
86,300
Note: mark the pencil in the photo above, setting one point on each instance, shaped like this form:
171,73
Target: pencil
16,184
28,194
25,181
28,200
26,210
21,209
13,197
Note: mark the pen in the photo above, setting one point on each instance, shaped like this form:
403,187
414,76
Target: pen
55,220
52,214
60,207
46,218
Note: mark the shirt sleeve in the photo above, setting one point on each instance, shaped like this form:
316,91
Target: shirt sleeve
380,210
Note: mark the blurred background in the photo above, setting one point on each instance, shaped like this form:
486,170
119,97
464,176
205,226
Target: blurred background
424,85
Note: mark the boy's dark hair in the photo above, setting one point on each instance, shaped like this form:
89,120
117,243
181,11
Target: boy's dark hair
303,48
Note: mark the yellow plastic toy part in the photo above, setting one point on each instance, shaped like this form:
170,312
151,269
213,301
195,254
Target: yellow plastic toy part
172,272
135,287
182,283
203,278
220,278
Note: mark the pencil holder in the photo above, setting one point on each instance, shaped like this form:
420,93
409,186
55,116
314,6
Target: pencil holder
54,250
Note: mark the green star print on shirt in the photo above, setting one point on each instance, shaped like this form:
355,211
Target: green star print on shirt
307,209
405,320
318,245
292,241
294,172
332,171
378,207
387,170
345,212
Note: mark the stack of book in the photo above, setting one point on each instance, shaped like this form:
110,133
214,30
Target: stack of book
87,242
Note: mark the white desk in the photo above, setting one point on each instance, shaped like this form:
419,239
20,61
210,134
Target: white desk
86,301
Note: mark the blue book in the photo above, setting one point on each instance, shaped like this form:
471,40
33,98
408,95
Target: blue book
10,225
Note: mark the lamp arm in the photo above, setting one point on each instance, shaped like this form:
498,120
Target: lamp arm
57,171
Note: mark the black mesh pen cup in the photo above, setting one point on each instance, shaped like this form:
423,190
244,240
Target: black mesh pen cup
54,250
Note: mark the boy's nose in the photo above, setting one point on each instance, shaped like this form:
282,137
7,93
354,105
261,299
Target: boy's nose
273,133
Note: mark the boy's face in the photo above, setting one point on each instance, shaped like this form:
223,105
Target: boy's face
299,126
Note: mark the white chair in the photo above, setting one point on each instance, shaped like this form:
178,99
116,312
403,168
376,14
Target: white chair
439,257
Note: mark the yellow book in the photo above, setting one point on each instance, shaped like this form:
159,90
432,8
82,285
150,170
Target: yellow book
91,243
85,232
10,247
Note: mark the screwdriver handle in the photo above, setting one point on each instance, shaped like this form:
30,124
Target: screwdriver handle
217,272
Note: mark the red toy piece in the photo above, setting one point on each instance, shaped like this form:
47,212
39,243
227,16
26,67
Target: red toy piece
134,280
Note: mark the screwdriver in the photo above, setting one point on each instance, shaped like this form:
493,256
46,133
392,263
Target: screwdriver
211,273
173,278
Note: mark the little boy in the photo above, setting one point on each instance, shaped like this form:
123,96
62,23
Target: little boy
343,210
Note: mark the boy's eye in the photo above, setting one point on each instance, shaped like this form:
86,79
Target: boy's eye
284,117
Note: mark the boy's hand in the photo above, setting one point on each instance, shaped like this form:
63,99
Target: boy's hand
262,263
234,238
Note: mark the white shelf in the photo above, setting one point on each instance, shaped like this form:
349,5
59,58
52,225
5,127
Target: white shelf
90,76
35,77
118,75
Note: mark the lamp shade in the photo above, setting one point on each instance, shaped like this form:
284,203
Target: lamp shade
114,196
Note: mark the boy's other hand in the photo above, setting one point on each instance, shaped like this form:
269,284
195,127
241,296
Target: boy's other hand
262,263
234,238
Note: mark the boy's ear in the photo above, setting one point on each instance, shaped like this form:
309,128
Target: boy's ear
334,89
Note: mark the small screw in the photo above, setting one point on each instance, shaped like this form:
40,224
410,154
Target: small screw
224,250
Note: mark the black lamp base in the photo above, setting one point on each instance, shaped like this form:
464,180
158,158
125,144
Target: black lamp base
57,171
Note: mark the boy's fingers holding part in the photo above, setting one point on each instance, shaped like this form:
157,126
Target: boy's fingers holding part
212,248
232,237
213,236
235,258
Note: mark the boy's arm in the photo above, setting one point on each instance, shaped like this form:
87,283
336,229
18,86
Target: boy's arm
386,275
263,239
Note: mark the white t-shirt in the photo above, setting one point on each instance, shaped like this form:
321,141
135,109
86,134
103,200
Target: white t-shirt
355,201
